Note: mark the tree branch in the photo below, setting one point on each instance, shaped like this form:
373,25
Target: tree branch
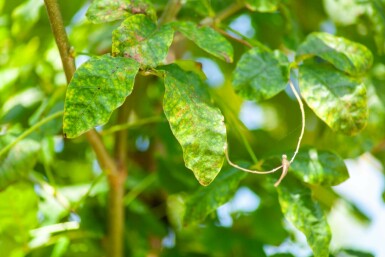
116,177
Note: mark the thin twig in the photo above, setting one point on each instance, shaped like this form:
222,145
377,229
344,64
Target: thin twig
130,125
296,94
247,170
285,163
170,11
30,130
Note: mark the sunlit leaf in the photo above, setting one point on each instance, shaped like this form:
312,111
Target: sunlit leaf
336,98
18,162
305,214
98,87
139,38
345,55
193,208
101,11
260,75
196,124
18,205
319,167
207,39
262,5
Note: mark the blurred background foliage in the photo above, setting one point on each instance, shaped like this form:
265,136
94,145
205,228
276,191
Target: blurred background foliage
53,196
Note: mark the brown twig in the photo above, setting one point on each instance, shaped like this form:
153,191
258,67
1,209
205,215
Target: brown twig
115,177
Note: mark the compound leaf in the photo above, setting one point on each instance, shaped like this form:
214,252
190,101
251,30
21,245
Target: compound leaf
139,38
19,161
207,39
300,209
260,75
319,167
98,87
339,100
345,55
196,124
101,11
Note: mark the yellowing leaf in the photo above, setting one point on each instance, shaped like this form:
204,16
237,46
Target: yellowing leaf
98,87
196,124
345,55
339,100
139,38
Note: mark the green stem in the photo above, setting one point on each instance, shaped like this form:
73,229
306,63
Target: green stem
170,11
139,188
30,130
229,11
130,125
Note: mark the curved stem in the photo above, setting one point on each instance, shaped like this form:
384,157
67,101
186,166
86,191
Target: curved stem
247,170
296,94
30,130
285,163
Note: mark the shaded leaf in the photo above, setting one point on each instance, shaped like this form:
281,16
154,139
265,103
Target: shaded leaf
193,208
376,15
339,100
18,205
319,167
305,214
262,5
260,75
98,87
18,162
196,124
207,39
101,11
139,38
345,55
206,200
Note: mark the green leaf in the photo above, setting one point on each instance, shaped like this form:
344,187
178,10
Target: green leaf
139,38
207,39
260,75
319,167
18,205
101,11
98,87
196,124
299,208
345,55
339,100
262,5
376,16
19,161
192,209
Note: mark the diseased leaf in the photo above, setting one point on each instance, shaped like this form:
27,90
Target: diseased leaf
139,38
196,124
98,87
345,55
262,5
339,100
18,205
18,162
101,11
260,75
192,209
207,39
319,167
300,209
